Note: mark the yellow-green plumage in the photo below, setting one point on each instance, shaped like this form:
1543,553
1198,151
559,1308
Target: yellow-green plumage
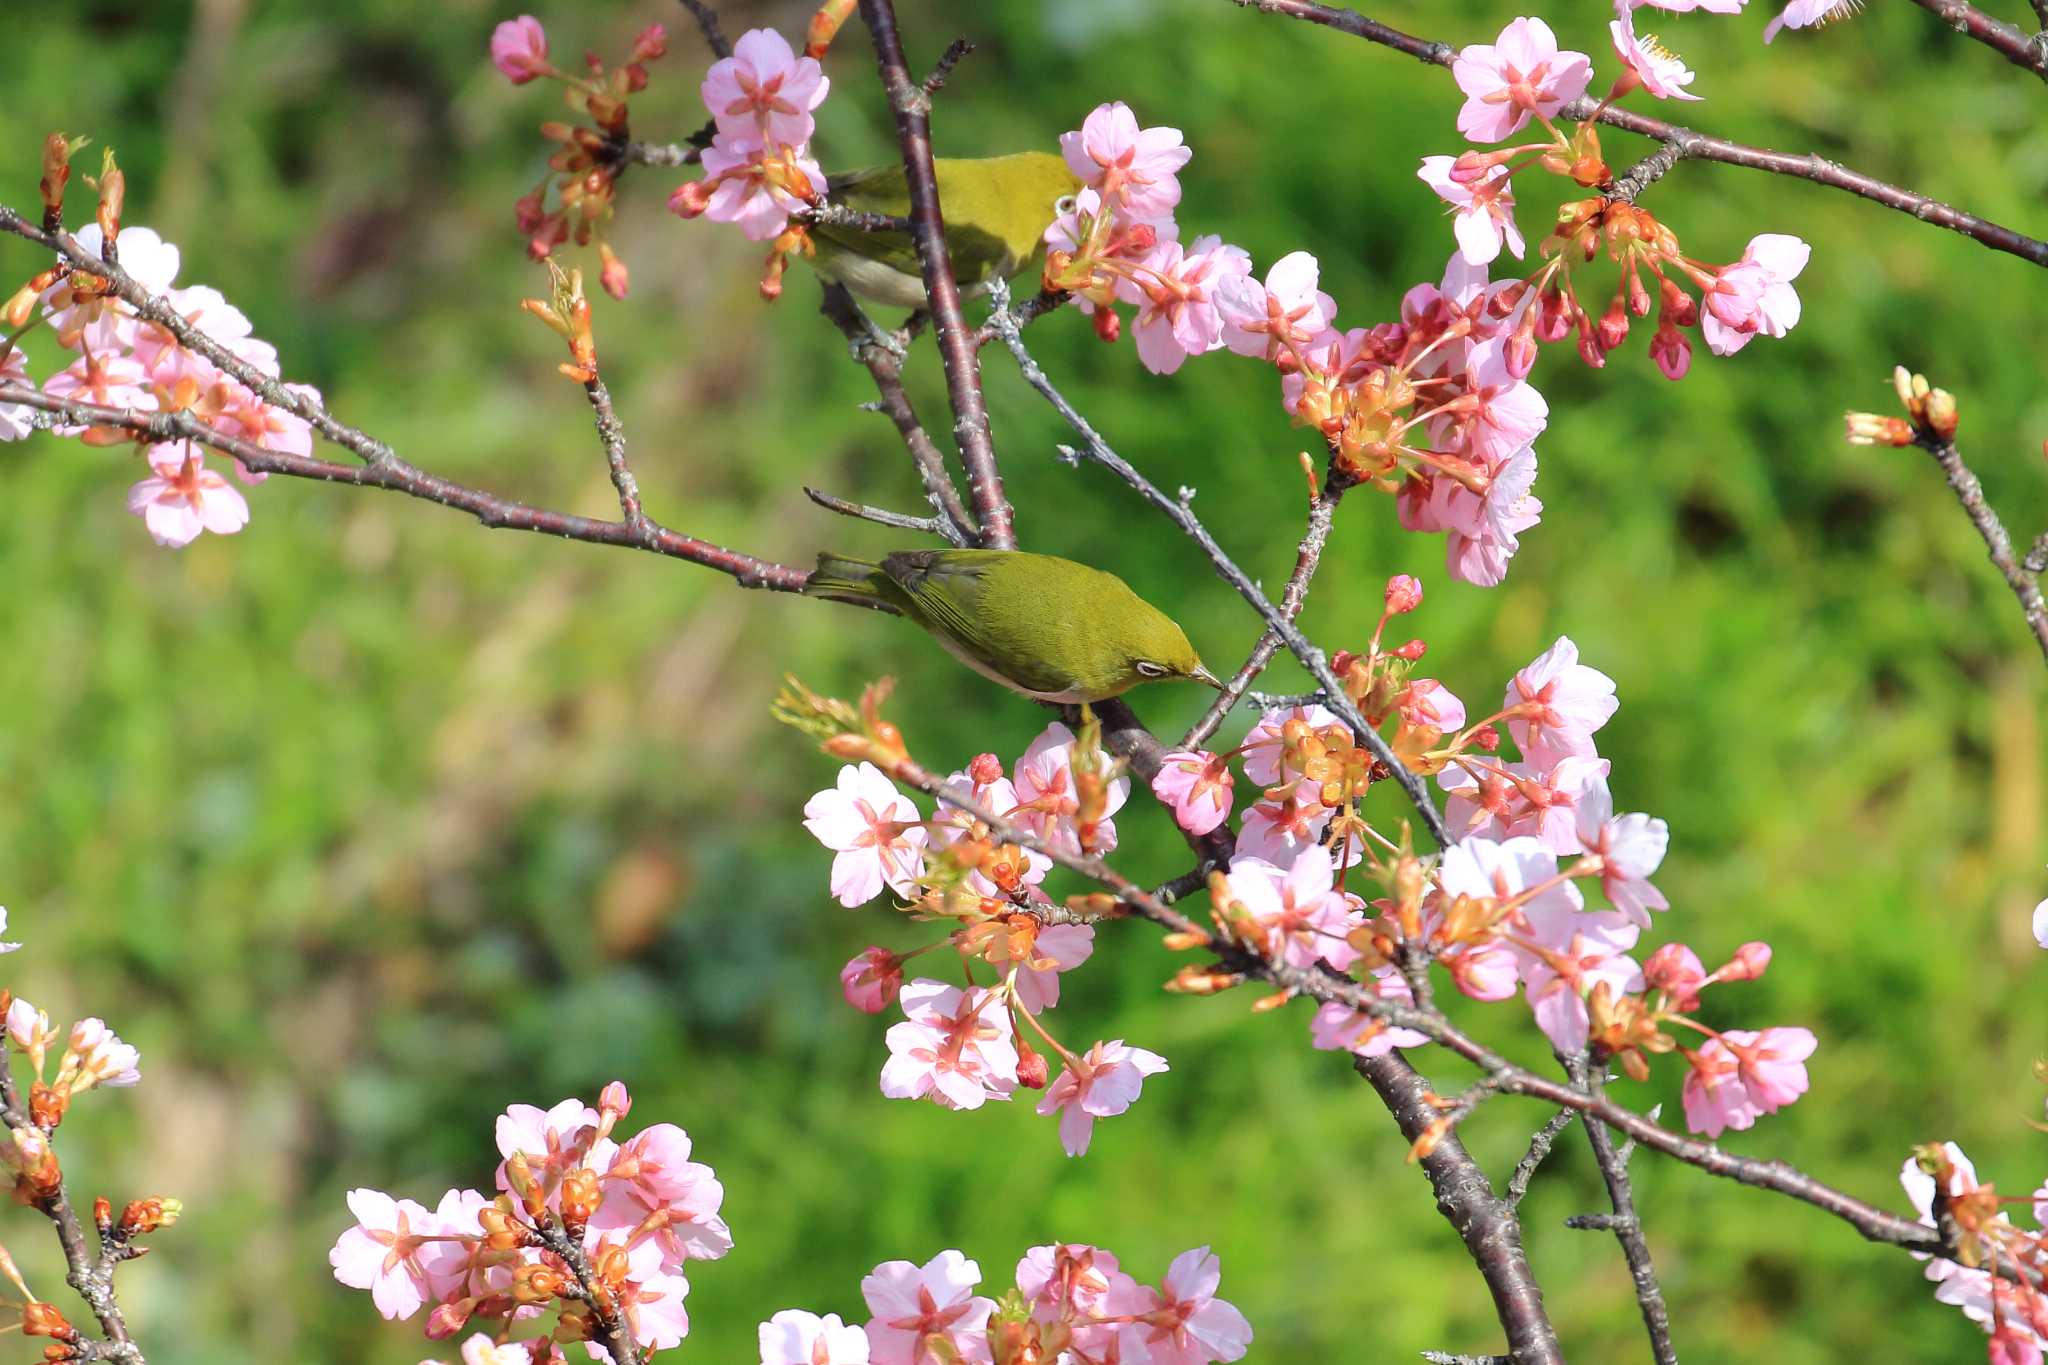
996,210
1040,625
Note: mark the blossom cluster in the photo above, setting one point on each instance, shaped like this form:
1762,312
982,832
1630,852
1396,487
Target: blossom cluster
1997,1258
1071,1304
574,200
632,1212
125,361
759,169
1502,911
962,1046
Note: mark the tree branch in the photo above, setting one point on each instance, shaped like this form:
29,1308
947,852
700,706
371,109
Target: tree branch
882,516
928,230
1539,1147
2002,38
1627,1228
2025,586
1689,144
707,24
614,1334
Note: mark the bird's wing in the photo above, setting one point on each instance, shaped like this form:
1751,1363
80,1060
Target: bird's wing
946,589
877,189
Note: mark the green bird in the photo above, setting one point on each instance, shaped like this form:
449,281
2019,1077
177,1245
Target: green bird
996,211
1037,624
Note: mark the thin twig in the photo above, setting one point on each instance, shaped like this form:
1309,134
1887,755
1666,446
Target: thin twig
2001,37
1970,493
857,220
1452,1358
660,154
928,229
395,475
1690,145
1601,1222
1539,1148
1626,1226
1322,509
885,367
614,1334
611,433
1032,309
950,58
707,24
882,516
1183,516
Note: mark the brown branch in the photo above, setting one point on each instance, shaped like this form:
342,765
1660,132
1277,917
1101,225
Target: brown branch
882,516
91,1276
1626,1226
615,1335
950,58
1540,1144
611,434
1036,307
395,475
1322,509
928,229
2025,586
707,24
1691,145
2004,39
1484,1221
885,367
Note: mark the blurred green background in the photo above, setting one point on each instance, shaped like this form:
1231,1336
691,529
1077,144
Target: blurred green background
365,823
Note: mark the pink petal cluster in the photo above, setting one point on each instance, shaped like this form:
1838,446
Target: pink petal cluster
1175,288
1047,805
1557,704
1649,63
1298,910
184,496
1485,218
1807,13
954,1047
519,49
927,1313
95,1055
1099,1085
758,169
1519,74
657,1210
1195,785
1267,321
794,1337
1739,1075
874,829
1134,170
1755,295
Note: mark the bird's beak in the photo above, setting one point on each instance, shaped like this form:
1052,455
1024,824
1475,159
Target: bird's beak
1202,674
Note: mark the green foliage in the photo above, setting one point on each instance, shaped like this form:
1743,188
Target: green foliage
365,823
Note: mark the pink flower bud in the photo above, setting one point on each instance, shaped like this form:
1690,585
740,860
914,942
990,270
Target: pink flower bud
1404,594
985,769
1553,317
872,980
651,44
519,48
689,199
1520,353
1488,740
1411,651
613,275
1675,968
1748,963
614,1100
1108,326
1613,326
1670,350
1032,1070
448,1318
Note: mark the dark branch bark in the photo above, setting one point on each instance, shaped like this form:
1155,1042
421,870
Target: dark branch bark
2002,38
928,229
1626,1226
1970,493
1539,1147
707,24
1690,145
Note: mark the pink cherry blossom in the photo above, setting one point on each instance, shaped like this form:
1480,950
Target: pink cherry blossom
1583,951
1538,800
106,324
461,1268
1740,1075
1427,702
1287,312
650,1300
1520,73
1677,970
1265,749
1704,6
874,830
1072,1283
1755,295
6,947
183,496
872,979
954,1047
651,1174
1187,1324
1503,869
1279,831
998,796
1046,804
927,1314
1057,948
794,1337
1132,168
2041,924
1100,1085
1485,218
1630,848
1303,915
747,189
1196,784
1175,290
479,1349
104,378
1338,1026
1648,62
386,1252
30,1030
1807,13
94,1055
14,417
553,1141
1483,530
1561,703
519,49
763,94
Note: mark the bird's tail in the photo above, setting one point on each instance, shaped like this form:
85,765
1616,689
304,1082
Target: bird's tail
845,579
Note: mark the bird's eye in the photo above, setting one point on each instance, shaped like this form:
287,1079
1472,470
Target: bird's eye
1148,669
1064,205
